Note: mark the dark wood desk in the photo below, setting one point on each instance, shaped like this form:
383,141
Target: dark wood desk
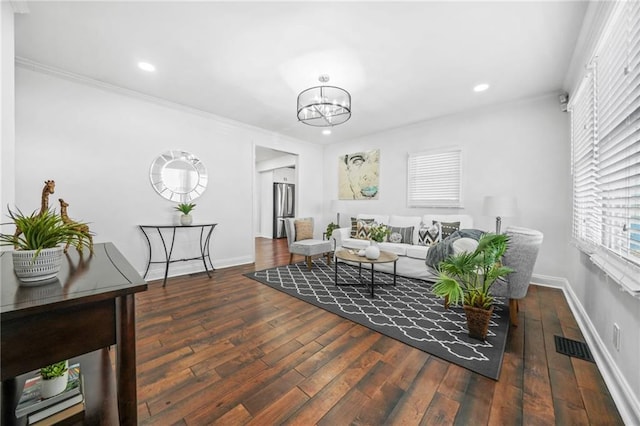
90,306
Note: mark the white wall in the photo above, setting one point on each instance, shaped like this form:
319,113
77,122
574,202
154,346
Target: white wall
98,145
518,149
7,114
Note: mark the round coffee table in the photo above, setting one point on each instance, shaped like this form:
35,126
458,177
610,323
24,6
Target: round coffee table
352,256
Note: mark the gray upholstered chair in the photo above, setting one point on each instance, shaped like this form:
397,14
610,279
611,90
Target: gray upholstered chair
306,247
520,256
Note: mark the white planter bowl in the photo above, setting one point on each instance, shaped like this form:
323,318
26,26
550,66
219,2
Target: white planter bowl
44,267
53,387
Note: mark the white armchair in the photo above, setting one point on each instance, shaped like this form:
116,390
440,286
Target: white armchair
300,239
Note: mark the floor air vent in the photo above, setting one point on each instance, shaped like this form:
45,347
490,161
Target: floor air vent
573,348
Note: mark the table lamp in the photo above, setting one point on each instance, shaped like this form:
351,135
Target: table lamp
500,206
335,206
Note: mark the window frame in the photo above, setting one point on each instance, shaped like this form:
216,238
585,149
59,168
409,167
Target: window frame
452,181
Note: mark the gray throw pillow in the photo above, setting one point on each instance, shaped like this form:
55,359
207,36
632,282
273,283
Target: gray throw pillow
401,235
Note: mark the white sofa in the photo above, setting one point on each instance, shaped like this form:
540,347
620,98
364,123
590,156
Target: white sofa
411,257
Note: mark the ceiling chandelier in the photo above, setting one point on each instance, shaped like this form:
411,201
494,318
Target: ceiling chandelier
324,106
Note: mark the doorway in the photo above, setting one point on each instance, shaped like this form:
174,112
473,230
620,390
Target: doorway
271,167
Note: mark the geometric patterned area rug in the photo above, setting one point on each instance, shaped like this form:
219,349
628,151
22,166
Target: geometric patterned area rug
408,312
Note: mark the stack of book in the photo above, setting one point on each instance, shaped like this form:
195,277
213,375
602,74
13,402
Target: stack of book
66,406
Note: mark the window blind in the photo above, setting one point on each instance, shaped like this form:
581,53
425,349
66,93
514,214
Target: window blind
605,133
434,179
618,115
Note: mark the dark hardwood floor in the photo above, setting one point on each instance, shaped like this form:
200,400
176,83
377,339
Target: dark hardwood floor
229,350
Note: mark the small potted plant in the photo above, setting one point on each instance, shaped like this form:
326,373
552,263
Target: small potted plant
467,278
38,243
185,208
54,378
330,228
378,233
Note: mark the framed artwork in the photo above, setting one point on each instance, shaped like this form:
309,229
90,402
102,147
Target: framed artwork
358,175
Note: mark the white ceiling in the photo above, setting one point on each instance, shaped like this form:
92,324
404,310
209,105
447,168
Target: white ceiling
401,62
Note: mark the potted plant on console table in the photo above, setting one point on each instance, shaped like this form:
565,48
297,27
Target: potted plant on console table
185,208
467,277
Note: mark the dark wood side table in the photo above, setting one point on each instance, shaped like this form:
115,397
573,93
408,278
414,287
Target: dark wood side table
88,307
206,229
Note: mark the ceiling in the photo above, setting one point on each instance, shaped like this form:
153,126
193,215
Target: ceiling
402,62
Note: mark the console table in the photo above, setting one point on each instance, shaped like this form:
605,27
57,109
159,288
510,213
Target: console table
88,307
206,230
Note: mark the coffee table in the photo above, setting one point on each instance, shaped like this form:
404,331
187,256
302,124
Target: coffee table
352,256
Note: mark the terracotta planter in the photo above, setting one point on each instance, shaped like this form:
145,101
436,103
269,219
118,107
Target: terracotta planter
478,321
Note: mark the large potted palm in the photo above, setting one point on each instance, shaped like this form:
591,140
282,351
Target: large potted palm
467,278
38,243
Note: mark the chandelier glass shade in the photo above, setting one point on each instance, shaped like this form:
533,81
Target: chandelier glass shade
324,106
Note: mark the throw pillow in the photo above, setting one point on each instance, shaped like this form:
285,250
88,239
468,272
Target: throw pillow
448,228
354,225
304,229
363,229
401,235
430,235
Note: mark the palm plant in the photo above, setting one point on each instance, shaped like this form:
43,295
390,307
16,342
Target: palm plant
467,277
185,208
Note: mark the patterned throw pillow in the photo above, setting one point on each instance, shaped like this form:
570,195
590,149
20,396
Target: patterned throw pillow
448,228
354,225
363,229
430,235
401,235
304,229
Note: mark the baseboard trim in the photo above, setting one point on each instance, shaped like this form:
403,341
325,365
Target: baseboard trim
156,271
626,403
549,281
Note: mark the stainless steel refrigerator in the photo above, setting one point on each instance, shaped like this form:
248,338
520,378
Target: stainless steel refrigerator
283,206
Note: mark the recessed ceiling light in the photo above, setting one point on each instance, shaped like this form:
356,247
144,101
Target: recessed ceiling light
146,66
481,87
326,132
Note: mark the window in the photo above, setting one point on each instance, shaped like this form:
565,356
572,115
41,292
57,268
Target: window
434,178
605,133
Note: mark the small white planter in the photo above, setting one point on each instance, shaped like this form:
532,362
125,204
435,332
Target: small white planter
31,271
186,219
53,387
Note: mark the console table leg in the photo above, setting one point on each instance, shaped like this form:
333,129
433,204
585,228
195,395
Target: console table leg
126,360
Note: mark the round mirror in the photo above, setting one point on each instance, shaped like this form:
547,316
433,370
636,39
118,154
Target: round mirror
178,176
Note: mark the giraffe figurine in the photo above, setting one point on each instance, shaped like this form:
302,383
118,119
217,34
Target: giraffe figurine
82,228
49,188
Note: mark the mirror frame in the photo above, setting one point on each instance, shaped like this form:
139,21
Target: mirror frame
158,166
